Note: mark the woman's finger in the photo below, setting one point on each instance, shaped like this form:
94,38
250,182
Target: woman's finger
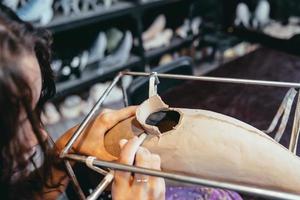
140,181
107,110
127,155
142,159
110,119
156,189
155,162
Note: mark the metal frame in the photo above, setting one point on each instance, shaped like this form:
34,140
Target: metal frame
96,164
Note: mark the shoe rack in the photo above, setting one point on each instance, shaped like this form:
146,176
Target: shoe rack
279,13
135,11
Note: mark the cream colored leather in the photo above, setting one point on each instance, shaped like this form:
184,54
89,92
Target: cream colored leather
214,146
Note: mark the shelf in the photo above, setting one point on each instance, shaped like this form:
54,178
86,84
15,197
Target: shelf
176,43
291,46
156,3
62,23
89,77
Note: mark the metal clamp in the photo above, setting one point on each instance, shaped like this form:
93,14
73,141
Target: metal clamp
153,82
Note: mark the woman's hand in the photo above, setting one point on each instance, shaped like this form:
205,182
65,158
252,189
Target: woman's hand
91,142
126,186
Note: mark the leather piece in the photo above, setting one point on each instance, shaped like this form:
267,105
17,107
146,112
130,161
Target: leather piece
214,146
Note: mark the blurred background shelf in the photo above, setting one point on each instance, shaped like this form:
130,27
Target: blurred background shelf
291,45
63,23
155,3
90,77
175,45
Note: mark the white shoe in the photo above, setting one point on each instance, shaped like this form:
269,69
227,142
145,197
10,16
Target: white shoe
98,89
86,4
37,10
196,23
114,37
108,3
162,39
71,107
157,27
51,114
167,58
68,6
12,4
79,63
261,14
97,51
121,55
182,31
277,30
242,15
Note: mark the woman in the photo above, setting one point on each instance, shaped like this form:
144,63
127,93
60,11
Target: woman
25,84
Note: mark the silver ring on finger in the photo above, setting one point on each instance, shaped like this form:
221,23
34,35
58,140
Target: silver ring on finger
143,180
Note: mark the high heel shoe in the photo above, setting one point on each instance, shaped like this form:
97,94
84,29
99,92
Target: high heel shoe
12,4
37,10
96,53
162,39
242,16
68,7
114,37
121,55
156,27
261,14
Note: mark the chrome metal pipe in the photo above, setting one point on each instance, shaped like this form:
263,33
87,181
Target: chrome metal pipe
74,180
296,128
270,194
102,186
219,79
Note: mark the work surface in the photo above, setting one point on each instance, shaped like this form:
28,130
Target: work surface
256,105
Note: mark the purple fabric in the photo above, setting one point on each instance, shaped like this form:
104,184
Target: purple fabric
200,193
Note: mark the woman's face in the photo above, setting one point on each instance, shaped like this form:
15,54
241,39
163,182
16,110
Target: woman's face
32,72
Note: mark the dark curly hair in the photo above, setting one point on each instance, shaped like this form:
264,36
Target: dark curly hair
16,38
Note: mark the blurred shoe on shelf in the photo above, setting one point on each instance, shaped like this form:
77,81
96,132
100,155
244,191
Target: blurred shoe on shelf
79,63
196,23
37,10
50,114
243,15
194,26
68,7
12,4
56,66
280,31
162,39
157,27
71,107
121,55
183,30
97,51
108,3
295,20
261,14
64,74
114,37
167,58
65,70
88,5
98,89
